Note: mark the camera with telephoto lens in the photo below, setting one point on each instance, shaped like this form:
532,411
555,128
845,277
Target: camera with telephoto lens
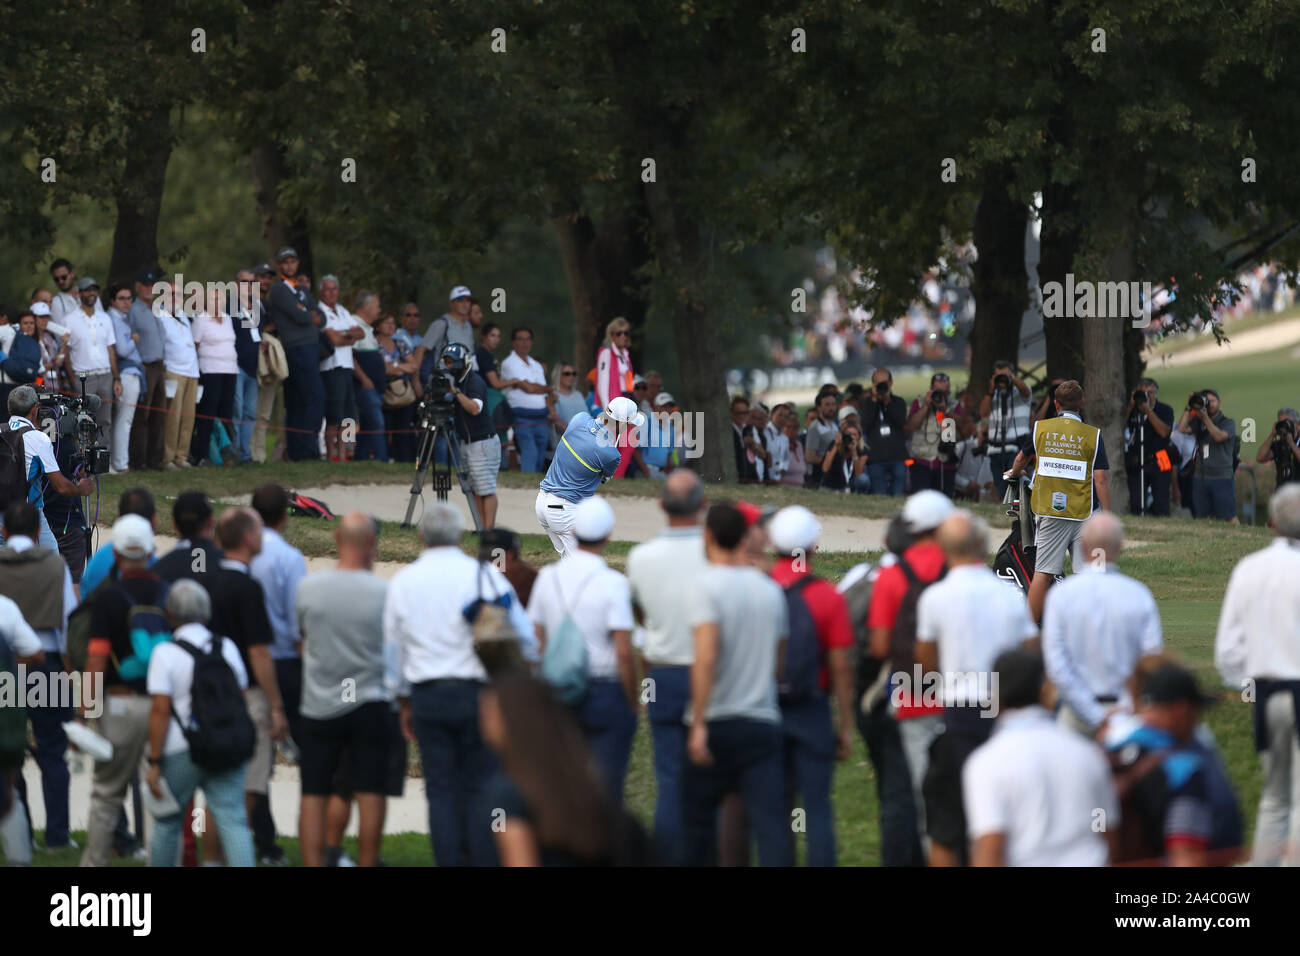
1002,381
882,388
938,400
1196,401
438,405
1140,396
72,417
1284,429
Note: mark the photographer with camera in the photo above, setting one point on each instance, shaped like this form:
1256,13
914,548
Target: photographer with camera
844,464
1213,489
27,461
884,420
1006,408
1281,448
480,449
934,446
1147,452
1045,408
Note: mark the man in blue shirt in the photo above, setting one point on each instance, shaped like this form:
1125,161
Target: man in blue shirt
133,501
587,456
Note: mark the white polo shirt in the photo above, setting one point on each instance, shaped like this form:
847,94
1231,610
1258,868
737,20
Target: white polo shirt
973,615
182,358
61,305
92,336
582,585
1041,786
340,320
171,672
1259,624
660,573
528,369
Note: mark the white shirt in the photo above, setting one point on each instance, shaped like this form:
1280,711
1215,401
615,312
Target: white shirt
340,320
973,615
62,304
778,443
15,630
38,453
53,640
1259,624
422,617
660,572
7,333
528,369
1096,626
1041,785
91,337
581,585
181,357
215,344
171,672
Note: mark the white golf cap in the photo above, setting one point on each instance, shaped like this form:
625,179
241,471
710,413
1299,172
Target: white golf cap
40,308
460,292
132,537
846,411
593,519
663,398
624,410
794,529
926,510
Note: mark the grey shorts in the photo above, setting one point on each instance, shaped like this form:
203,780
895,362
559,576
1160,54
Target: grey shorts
482,459
1053,537
257,772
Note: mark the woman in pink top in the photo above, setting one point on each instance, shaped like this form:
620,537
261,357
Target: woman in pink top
614,378
214,340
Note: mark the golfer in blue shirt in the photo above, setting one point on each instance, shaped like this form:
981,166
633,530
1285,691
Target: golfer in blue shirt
586,456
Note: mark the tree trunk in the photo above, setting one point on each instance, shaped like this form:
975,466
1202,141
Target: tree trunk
279,227
1000,283
1058,243
1105,390
577,237
139,197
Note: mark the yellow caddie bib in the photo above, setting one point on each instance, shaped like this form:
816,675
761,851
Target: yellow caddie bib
1066,450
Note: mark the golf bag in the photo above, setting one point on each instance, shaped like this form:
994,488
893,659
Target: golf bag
1014,561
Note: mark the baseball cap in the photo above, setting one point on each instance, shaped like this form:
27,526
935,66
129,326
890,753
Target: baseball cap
40,308
846,411
663,398
148,276
132,537
794,529
459,292
624,410
593,520
192,503
926,510
86,283
265,269
638,380
1171,683
288,252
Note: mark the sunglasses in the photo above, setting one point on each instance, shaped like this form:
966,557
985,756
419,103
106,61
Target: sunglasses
616,334
941,378
568,374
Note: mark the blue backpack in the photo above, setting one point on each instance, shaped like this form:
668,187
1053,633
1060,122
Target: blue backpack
24,359
564,662
148,627
803,651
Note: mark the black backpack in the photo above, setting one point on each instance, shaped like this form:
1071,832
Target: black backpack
24,359
802,649
902,640
220,733
13,466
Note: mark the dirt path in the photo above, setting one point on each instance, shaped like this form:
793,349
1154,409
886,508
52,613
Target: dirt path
1269,338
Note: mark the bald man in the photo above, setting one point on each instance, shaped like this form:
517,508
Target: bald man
348,724
1099,628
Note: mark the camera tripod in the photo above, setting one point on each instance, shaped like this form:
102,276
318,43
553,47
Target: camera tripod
437,423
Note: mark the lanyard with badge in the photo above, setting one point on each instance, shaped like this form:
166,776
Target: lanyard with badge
884,430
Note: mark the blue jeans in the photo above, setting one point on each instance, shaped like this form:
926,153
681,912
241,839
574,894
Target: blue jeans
672,694
609,724
51,748
747,758
531,437
245,414
304,403
998,463
371,440
457,767
887,477
900,842
1215,497
224,793
809,767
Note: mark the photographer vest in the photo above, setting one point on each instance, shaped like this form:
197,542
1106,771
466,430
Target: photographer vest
926,438
33,579
1066,450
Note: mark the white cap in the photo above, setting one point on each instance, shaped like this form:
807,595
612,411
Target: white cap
593,519
926,510
794,529
663,398
846,411
132,537
40,308
624,410
459,292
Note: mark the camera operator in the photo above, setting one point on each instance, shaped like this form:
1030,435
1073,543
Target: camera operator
884,418
1147,458
934,458
480,449
37,458
1006,408
843,466
65,515
1281,448
1213,490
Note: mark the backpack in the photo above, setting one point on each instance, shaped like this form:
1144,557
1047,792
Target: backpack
564,662
858,600
220,732
147,627
13,718
802,648
902,640
13,466
495,641
24,359
305,507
